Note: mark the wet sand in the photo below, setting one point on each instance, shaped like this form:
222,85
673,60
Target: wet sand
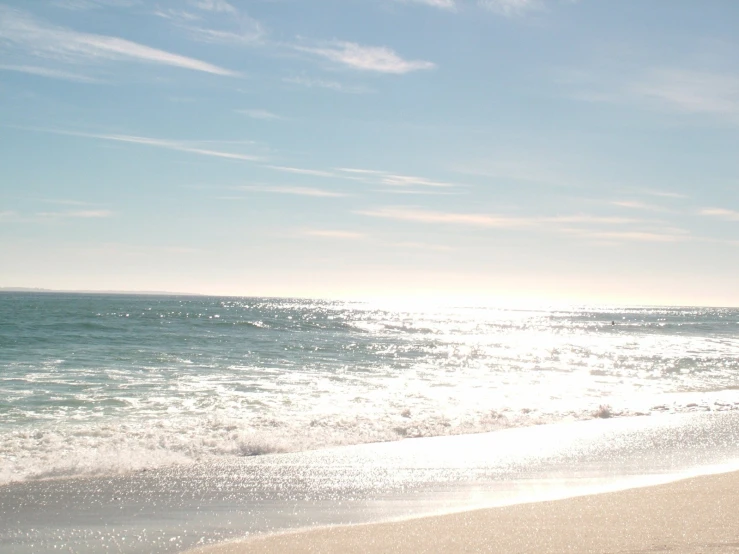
699,514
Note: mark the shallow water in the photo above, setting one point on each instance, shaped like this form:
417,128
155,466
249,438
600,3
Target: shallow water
172,509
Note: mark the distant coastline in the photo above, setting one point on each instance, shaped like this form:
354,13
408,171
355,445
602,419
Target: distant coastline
131,292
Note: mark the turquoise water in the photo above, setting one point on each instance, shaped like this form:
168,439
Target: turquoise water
98,384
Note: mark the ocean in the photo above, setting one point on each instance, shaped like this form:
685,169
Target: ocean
98,388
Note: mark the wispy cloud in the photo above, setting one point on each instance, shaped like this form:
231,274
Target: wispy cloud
691,91
410,180
638,205
587,226
676,90
94,4
65,202
215,21
180,146
192,147
41,40
76,214
428,216
218,6
333,234
417,192
386,178
259,114
330,85
676,235
660,193
298,191
50,73
301,171
443,4
511,8
420,246
366,58
721,213
361,171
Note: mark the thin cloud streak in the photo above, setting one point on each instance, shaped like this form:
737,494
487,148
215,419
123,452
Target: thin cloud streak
691,91
260,114
366,58
632,236
676,90
301,171
377,177
427,216
218,6
50,73
442,4
558,224
329,85
298,191
721,213
511,8
65,45
638,205
78,214
179,146
334,234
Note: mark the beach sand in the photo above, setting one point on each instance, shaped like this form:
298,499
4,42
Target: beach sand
694,515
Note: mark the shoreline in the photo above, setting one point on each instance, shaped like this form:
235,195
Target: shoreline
691,514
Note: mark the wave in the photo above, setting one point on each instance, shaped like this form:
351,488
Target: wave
90,449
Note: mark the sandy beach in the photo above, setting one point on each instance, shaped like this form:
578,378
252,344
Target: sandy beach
688,516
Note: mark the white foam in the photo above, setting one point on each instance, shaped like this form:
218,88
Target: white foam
63,449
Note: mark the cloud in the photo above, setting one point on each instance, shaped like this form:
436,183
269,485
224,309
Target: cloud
636,236
721,213
215,22
366,58
377,177
638,205
191,147
330,85
690,91
425,192
443,4
259,114
218,6
49,73
511,8
65,202
361,171
41,40
334,234
247,34
427,216
584,224
177,145
406,180
299,191
420,246
81,214
661,193
675,90
94,4
301,171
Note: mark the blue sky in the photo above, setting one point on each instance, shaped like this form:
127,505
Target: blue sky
538,150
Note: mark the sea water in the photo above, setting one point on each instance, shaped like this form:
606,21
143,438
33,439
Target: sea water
94,384
150,424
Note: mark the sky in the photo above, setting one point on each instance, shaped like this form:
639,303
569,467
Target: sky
508,150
